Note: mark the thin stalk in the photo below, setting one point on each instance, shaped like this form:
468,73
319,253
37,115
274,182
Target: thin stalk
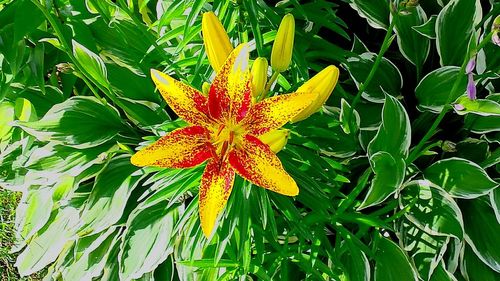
385,45
270,83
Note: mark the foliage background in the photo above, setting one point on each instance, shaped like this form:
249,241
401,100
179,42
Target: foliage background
403,187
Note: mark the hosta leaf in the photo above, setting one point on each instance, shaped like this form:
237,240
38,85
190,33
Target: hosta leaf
388,77
391,263
44,248
455,25
146,241
27,18
460,177
433,91
6,117
433,210
91,63
427,29
91,262
394,134
376,12
413,46
483,107
384,183
355,263
80,122
473,268
482,231
495,202
109,196
441,274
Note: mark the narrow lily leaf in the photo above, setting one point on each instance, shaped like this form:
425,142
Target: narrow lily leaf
391,263
455,25
433,209
482,231
433,91
460,177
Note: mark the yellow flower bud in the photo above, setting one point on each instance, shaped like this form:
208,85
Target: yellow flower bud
259,76
281,55
205,88
322,84
276,139
217,44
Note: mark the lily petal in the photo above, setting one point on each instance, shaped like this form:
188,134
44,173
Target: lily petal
272,113
216,185
255,162
187,102
182,148
230,94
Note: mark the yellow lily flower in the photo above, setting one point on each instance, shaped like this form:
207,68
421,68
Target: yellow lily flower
259,76
217,44
281,55
276,139
224,130
323,84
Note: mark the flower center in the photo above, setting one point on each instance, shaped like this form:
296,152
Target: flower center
225,137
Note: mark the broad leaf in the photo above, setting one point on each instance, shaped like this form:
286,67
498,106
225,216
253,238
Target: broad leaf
460,177
391,263
412,45
376,12
455,25
80,122
433,91
91,63
427,29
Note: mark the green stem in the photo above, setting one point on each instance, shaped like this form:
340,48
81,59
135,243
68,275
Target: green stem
415,153
385,45
270,83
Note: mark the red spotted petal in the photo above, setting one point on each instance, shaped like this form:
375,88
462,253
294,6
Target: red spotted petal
272,113
230,94
216,185
255,162
182,148
187,102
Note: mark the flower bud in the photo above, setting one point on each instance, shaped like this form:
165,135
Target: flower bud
496,31
322,84
217,44
259,76
281,54
276,139
205,88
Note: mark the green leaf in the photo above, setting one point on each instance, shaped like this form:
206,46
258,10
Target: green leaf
7,115
146,241
432,209
482,231
460,177
389,175
44,248
427,29
108,198
433,91
391,263
28,17
495,202
412,45
474,269
441,274
355,264
349,118
483,107
91,63
455,25
89,264
387,76
376,12
394,134
80,122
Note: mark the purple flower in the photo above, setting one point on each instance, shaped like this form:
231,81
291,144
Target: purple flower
471,87
496,39
470,65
